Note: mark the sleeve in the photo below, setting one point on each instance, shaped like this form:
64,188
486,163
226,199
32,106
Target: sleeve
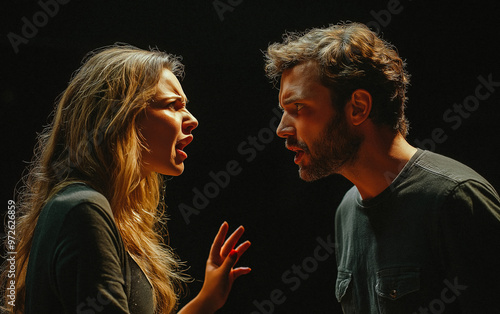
87,264
470,240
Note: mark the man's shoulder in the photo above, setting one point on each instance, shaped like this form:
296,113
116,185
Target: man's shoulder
351,199
352,194
439,166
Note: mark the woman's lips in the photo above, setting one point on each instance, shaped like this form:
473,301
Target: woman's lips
181,144
181,153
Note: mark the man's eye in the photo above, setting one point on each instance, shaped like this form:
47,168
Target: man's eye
171,105
299,106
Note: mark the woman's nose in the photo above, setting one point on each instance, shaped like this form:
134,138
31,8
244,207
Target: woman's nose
190,123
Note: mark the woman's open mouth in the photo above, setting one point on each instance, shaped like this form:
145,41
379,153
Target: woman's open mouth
181,144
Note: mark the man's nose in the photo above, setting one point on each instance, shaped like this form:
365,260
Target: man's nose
285,128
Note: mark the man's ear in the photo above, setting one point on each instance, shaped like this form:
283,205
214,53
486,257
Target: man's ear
358,108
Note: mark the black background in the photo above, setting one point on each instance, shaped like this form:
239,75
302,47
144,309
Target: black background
447,46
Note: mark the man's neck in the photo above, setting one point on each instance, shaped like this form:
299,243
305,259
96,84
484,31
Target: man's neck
380,159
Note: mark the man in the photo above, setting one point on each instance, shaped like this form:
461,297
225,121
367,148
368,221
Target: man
418,232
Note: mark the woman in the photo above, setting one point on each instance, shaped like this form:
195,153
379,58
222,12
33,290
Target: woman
94,193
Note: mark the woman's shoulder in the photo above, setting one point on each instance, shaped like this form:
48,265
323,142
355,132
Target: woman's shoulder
76,194
77,241
74,204
77,215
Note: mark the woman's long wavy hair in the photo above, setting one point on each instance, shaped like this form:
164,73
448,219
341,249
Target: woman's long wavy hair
93,138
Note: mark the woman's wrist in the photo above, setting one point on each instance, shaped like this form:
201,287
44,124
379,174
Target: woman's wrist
208,302
200,304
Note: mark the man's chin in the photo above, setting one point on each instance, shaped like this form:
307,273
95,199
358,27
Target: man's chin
309,176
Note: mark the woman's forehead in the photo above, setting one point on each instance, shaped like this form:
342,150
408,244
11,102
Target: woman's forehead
169,86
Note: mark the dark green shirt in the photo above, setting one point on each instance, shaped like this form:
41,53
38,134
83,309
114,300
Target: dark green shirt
429,243
78,263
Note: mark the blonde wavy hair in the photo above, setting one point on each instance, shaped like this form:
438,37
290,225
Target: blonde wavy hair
349,56
93,138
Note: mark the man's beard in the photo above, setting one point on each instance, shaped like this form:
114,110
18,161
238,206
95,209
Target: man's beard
336,147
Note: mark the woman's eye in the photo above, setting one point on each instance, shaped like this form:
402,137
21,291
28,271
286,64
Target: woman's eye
171,105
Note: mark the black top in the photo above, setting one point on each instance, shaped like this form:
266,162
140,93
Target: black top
78,263
429,243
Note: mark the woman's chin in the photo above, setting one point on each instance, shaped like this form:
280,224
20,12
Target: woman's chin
174,171
173,168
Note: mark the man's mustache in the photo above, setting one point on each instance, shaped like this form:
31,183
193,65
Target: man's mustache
293,142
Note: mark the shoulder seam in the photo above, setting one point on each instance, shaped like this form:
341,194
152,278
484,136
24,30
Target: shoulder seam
439,174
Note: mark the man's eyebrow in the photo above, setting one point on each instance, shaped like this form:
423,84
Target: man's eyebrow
292,99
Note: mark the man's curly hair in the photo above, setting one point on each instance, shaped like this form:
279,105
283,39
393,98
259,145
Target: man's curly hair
349,56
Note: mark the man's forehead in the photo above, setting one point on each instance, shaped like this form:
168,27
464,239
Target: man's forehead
298,79
308,69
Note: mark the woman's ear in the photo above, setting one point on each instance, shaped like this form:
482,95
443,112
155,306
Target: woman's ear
358,108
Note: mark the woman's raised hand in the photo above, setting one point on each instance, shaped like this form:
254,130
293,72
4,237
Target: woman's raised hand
220,272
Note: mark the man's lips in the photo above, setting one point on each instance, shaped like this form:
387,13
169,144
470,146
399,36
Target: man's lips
299,153
181,144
